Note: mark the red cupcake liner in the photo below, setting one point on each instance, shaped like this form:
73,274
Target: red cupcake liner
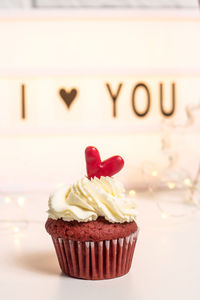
95,260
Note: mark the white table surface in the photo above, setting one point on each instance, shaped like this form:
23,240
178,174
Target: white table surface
166,262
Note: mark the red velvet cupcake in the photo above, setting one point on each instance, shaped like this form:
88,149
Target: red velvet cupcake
92,224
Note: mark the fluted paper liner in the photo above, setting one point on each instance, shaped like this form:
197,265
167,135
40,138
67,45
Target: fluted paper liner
95,260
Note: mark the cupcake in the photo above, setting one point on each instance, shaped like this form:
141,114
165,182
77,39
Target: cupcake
92,223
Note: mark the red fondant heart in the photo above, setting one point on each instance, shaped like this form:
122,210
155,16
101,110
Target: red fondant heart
98,168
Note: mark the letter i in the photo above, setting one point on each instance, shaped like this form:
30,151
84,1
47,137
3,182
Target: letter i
23,101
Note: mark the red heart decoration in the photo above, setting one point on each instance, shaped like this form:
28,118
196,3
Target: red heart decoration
98,168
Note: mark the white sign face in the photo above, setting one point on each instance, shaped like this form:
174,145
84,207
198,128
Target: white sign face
99,104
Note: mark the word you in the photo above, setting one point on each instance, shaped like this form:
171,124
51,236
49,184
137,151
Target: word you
141,85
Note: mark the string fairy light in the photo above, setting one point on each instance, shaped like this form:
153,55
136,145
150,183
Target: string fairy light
154,173
20,200
172,177
7,200
169,126
164,215
193,188
132,193
171,185
187,182
15,229
15,223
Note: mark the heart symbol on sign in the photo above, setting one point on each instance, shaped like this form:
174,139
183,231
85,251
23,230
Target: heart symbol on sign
98,168
68,97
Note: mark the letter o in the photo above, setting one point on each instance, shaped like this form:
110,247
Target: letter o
145,112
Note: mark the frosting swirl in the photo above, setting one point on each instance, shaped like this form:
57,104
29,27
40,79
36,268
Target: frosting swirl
86,200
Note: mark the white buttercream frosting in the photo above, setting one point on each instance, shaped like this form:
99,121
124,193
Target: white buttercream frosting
86,200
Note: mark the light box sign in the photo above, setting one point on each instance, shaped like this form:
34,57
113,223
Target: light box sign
77,104
138,69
